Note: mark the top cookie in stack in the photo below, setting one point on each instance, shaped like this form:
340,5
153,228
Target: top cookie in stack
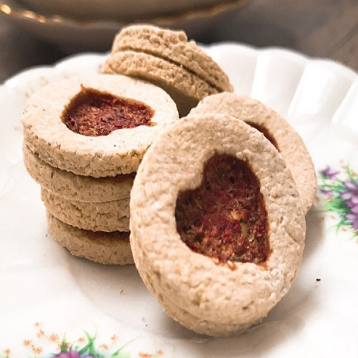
84,140
167,59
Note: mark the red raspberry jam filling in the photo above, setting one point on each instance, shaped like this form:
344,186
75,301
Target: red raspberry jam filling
266,133
225,218
93,113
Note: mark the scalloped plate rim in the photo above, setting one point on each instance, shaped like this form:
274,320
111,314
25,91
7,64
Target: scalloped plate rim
334,65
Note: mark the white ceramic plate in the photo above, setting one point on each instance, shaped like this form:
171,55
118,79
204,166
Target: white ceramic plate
50,299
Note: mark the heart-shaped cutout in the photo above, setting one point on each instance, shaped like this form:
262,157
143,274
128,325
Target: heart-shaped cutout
93,113
225,218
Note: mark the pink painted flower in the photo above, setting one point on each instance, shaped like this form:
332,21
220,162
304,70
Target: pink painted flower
71,354
351,190
329,173
350,195
353,218
326,192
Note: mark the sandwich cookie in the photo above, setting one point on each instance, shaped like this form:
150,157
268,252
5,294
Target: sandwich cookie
108,216
106,248
167,59
98,126
276,129
172,46
77,187
217,226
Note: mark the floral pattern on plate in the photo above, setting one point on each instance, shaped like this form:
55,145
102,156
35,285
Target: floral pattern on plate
339,189
85,346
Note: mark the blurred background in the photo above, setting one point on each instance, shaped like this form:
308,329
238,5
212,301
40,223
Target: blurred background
37,32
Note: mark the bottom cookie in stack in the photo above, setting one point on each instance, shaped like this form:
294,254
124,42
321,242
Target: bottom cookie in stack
109,248
97,230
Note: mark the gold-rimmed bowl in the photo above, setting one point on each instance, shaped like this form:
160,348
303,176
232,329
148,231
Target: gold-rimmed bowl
120,10
74,35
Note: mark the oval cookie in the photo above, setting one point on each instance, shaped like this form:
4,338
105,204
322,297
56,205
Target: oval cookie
225,267
96,126
172,46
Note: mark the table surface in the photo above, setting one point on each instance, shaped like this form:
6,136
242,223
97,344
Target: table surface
320,28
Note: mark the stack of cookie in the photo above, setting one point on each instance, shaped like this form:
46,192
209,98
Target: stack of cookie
84,140
167,59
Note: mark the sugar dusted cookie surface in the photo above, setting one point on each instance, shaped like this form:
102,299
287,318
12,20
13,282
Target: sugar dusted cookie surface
195,287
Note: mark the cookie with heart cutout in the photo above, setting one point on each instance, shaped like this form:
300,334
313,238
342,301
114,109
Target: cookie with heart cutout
97,126
77,187
277,131
217,225
107,216
167,59
107,248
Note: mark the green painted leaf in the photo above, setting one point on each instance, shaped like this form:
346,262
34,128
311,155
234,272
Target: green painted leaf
128,343
64,347
341,223
338,205
119,354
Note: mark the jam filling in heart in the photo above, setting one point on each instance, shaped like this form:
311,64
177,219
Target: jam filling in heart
225,218
93,113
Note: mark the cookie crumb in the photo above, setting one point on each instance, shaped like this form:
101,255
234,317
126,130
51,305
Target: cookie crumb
121,291
143,319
